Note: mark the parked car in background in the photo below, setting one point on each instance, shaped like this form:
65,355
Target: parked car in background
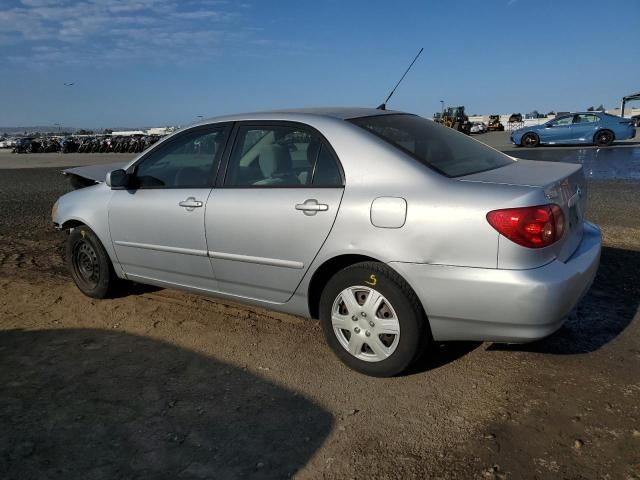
636,119
478,127
391,229
593,128
7,143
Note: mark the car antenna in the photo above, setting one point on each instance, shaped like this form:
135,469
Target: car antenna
383,105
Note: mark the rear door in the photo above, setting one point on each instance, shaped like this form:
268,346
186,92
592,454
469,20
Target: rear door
272,210
584,127
157,226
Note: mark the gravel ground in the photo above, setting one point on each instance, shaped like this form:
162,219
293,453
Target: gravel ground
163,384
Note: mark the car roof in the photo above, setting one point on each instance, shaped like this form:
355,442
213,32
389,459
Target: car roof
293,114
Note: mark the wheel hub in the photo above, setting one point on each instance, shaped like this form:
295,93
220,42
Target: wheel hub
365,323
86,265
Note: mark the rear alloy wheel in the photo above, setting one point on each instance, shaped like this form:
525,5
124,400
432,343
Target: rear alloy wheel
372,320
530,140
603,138
89,263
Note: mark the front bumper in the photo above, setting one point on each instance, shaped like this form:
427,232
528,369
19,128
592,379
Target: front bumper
512,306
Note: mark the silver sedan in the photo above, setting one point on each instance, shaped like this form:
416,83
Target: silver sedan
393,230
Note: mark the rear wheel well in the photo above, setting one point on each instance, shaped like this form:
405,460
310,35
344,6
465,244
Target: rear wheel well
613,135
322,275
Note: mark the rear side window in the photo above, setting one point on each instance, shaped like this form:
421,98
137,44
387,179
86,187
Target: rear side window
443,149
281,156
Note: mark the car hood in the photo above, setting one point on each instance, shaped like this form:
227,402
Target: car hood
97,173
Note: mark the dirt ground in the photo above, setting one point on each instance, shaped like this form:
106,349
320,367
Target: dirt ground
163,384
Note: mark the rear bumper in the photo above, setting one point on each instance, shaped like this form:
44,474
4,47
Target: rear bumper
511,306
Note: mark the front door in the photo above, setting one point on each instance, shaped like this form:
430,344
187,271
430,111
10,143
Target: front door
267,220
157,226
558,131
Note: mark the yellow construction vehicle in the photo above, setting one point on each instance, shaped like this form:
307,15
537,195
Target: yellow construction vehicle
454,117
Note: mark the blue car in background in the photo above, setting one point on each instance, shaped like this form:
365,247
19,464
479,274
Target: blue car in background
593,128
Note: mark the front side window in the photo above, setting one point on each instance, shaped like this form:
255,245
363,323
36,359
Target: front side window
443,149
280,156
189,161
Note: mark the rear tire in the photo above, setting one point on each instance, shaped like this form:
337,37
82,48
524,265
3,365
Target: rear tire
603,138
530,140
89,264
382,338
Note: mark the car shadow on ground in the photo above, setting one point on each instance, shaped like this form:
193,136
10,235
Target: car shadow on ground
441,354
606,311
89,403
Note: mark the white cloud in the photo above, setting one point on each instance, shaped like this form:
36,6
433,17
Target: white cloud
66,31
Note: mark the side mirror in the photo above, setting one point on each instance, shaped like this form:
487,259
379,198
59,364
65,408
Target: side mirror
117,179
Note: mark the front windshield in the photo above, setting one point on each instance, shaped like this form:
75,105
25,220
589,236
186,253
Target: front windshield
443,149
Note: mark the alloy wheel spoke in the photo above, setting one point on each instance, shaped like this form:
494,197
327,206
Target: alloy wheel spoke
389,326
349,299
379,349
340,321
372,303
355,344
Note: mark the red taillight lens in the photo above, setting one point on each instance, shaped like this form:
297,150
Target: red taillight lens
532,227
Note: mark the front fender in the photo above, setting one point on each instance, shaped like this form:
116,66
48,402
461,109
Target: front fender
88,206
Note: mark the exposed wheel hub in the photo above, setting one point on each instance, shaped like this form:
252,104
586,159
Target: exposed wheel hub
86,265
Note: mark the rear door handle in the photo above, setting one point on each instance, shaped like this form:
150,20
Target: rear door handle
190,203
311,207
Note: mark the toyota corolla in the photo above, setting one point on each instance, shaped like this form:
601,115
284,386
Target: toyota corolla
392,230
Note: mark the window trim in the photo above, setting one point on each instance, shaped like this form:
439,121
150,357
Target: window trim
231,144
226,128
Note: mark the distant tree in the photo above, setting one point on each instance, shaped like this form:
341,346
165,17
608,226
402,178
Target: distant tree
551,113
590,109
82,131
600,108
107,131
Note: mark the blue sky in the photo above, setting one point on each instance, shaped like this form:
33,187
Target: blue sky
156,62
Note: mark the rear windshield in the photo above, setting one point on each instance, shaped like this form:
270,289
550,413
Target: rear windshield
443,149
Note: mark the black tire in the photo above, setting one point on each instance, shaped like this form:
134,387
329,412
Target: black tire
530,140
89,264
415,335
603,138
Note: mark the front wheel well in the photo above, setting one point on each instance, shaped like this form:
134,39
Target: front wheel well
72,224
322,275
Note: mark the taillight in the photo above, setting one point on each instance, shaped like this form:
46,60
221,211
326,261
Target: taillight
532,227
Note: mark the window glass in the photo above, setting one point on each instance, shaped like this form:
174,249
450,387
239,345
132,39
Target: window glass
585,118
188,161
327,173
443,149
562,121
272,156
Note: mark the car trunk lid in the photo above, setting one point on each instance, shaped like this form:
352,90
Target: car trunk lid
560,183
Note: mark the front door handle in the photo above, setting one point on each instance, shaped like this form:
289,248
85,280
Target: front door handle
311,207
190,203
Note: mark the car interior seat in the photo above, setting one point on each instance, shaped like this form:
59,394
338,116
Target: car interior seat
276,166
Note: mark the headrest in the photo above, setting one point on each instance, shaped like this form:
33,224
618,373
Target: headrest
274,159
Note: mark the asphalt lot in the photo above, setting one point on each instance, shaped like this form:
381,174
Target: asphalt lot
163,384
